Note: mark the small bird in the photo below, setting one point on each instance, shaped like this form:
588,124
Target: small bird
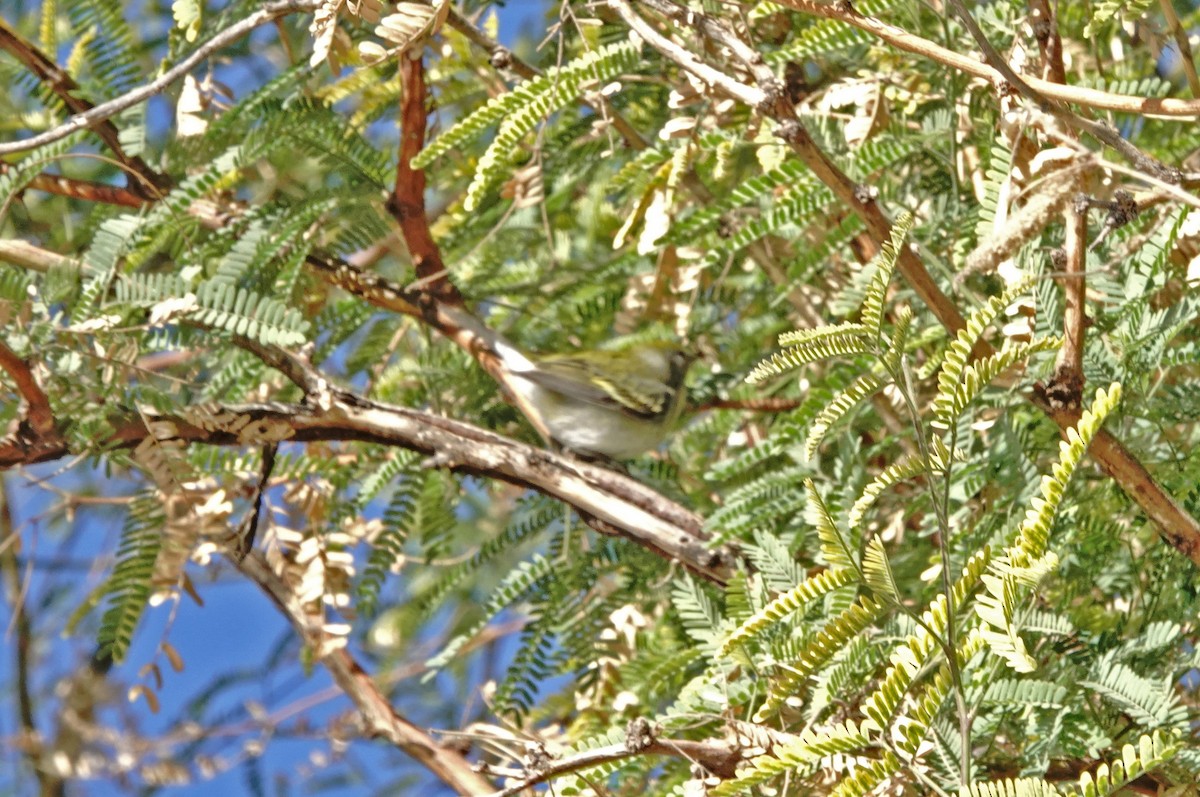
611,405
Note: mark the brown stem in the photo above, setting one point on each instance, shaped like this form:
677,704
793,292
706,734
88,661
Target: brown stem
1185,47
903,40
1045,30
83,189
379,717
149,183
1179,528
37,405
407,201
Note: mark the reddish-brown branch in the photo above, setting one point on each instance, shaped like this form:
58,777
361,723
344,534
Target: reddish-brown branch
84,189
148,183
407,202
37,405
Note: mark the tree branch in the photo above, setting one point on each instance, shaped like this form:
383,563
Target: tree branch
37,405
407,200
381,719
718,756
106,110
83,189
610,502
1179,528
148,182
903,40
1098,130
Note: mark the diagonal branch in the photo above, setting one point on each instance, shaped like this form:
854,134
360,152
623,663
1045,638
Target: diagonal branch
86,190
106,110
903,40
1177,527
37,405
149,182
380,718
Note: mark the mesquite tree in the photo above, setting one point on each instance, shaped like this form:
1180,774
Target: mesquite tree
927,525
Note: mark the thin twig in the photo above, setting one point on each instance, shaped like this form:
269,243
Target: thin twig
1182,44
48,784
107,110
149,182
903,40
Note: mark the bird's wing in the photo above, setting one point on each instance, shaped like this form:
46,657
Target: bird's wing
638,397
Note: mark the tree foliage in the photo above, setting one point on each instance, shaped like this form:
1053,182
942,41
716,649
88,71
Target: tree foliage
928,525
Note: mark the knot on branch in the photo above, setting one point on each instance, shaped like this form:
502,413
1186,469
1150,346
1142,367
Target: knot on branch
537,759
501,58
773,91
865,194
639,735
790,130
1122,210
1041,29
1006,90
1065,390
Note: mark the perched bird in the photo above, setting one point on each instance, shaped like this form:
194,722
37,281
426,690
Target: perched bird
602,404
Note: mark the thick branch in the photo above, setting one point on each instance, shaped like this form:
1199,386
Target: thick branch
608,501
37,405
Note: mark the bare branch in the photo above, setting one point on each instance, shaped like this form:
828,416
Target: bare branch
608,501
37,405
107,110
903,40
380,718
